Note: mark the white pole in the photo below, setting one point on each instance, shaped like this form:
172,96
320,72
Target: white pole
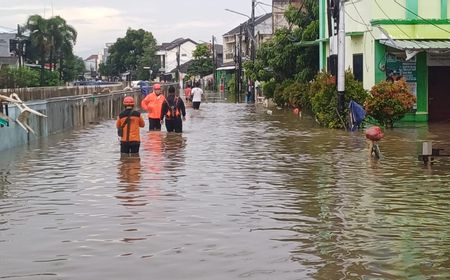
341,57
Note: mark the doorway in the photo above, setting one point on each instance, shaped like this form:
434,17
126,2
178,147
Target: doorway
439,93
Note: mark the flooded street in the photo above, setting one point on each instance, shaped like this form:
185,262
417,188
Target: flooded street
241,194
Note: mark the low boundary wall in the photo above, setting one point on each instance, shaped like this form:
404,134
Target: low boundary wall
63,114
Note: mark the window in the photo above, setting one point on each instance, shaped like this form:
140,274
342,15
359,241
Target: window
358,66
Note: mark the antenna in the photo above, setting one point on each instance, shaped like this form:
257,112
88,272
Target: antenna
51,2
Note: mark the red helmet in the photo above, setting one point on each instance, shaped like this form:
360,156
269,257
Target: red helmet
128,101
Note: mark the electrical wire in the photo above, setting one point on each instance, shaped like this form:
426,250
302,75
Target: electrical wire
426,20
272,6
361,17
398,27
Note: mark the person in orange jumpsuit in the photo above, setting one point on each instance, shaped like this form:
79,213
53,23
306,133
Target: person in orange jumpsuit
152,103
128,124
187,93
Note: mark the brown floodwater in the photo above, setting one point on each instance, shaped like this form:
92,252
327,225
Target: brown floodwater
241,194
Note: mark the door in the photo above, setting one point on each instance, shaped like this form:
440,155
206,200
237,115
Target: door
439,93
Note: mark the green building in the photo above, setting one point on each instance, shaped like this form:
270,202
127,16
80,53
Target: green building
410,38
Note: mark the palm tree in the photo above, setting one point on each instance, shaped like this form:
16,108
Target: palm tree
52,39
63,38
40,39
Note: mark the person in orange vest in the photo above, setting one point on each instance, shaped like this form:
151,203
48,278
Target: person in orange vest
174,111
152,103
128,124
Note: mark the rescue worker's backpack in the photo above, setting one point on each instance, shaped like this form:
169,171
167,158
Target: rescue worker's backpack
173,110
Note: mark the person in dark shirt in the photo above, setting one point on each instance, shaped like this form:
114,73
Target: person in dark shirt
174,112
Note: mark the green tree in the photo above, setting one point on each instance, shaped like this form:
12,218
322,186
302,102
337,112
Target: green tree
73,68
202,64
132,53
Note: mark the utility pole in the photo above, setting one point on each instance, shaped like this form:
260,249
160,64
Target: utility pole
240,62
341,57
236,61
214,62
253,49
178,63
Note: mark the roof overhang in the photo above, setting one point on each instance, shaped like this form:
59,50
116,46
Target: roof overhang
418,45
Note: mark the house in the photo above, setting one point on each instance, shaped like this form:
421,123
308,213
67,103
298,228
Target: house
263,32
172,55
410,37
91,65
279,7
7,45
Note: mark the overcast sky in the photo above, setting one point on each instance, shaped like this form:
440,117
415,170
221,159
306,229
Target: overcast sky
103,21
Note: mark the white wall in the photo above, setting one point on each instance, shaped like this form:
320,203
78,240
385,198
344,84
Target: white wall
4,43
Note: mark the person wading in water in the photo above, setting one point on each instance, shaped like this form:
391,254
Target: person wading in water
128,124
174,111
152,103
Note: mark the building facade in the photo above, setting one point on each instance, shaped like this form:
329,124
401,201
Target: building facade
410,38
279,7
241,33
7,56
169,53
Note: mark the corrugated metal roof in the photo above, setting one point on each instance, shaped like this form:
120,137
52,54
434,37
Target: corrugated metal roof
418,45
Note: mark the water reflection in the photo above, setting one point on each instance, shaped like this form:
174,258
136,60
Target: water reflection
174,155
4,183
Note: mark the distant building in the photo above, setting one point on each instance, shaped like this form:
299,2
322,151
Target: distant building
7,45
91,65
173,54
263,32
104,53
279,7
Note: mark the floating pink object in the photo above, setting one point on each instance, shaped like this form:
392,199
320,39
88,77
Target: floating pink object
374,133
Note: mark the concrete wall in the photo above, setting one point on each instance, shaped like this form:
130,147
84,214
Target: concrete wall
64,113
43,93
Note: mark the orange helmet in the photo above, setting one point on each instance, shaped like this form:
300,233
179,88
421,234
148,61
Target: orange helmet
128,101
156,86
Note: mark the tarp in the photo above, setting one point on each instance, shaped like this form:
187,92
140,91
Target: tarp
357,115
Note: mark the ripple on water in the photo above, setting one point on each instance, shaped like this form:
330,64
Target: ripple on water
240,194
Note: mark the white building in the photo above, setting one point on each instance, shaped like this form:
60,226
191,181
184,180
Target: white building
263,32
169,52
91,65
7,57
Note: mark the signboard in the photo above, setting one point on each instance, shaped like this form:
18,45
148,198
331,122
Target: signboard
407,69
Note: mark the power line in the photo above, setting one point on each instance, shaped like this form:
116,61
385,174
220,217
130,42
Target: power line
272,6
426,20
398,27
360,16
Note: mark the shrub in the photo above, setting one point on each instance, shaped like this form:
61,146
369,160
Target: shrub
279,96
297,94
269,88
323,97
12,77
389,102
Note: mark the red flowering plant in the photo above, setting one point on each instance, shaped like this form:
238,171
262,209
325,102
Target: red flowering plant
389,102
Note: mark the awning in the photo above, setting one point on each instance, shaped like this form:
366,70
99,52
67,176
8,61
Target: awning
418,45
